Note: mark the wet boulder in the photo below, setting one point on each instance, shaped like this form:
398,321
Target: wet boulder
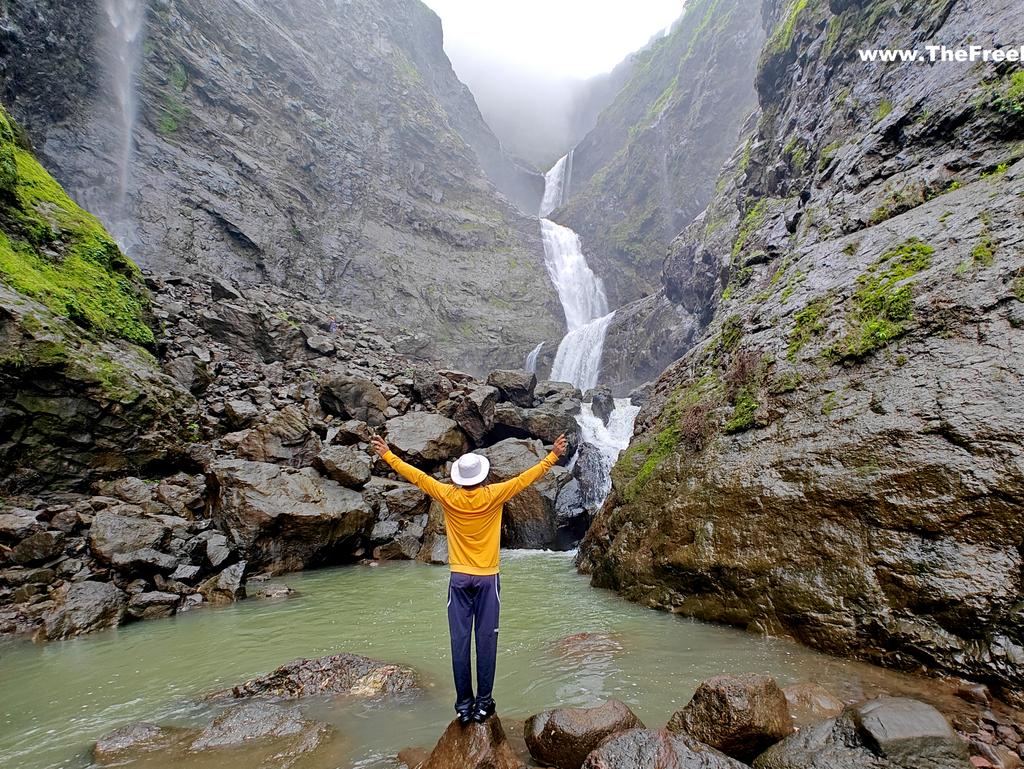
572,518
432,386
353,398
656,749
38,547
343,673
345,464
738,715
226,587
404,547
133,739
514,385
564,737
476,746
284,519
239,413
144,561
17,523
602,404
153,604
811,703
113,534
423,437
259,721
883,733
83,607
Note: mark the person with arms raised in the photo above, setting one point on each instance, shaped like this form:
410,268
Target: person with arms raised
472,513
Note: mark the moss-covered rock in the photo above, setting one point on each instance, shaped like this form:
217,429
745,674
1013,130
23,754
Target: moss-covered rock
80,395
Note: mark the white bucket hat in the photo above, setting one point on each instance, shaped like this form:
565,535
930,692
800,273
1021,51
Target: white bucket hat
470,469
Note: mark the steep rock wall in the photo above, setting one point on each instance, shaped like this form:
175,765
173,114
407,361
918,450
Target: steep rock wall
838,458
320,145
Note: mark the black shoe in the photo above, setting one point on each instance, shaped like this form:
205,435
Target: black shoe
465,718
483,710
465,709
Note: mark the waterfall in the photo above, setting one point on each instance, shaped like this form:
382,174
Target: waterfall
587,320
531,358
125,22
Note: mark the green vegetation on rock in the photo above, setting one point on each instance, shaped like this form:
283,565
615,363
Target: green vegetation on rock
883,303
808,324
59,254
754,218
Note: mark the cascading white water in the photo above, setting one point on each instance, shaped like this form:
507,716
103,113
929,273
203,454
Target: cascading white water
578,359
531,358
587,318
126,19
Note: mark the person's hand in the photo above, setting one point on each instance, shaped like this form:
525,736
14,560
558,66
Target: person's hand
561,445
379,445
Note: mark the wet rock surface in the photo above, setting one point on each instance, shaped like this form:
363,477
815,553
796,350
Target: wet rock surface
564,737
884,733
656,749
349,674
476,746
882,521
738,715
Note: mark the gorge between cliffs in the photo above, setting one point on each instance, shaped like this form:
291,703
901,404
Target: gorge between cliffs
769,287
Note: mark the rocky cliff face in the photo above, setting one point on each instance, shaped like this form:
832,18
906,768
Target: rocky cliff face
323,145
82,394
649,165
838,457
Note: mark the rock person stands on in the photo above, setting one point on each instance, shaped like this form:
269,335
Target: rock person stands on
472,514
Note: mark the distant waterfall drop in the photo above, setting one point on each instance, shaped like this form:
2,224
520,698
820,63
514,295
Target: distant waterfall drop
531,358
580,291
123,33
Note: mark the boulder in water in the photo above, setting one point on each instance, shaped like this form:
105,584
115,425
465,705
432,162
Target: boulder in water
82,608
656,749
592,473
476,746
564,737
226,587
284,519
571,516
739,715
342,673
135,738
602,404
884,733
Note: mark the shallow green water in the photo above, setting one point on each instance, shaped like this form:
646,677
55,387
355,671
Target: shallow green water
56,699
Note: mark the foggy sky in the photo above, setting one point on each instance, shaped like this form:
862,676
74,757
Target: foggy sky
527,61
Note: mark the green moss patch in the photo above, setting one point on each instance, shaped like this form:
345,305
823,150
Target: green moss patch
57,253
882,305
809,324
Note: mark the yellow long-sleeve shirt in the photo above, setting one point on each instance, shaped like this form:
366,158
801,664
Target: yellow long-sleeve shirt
472,516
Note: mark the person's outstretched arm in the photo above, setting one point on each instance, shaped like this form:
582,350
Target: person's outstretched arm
505,490
418,478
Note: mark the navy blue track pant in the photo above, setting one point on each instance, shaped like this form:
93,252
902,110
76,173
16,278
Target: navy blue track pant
473,599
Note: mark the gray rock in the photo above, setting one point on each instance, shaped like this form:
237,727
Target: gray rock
404,547
135,738
345,464
885,733
145,560
239,413
474,412
186,573
255,722
656,749
285,438
350,674
84,607
353,398
425,437
321,344
112,534
17,523
602,404
226,587
514,385
152,605
38,547
284,519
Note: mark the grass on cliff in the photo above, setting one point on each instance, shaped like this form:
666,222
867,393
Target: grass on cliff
58,254
883,304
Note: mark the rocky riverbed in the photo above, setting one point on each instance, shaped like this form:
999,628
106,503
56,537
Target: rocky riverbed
277,475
